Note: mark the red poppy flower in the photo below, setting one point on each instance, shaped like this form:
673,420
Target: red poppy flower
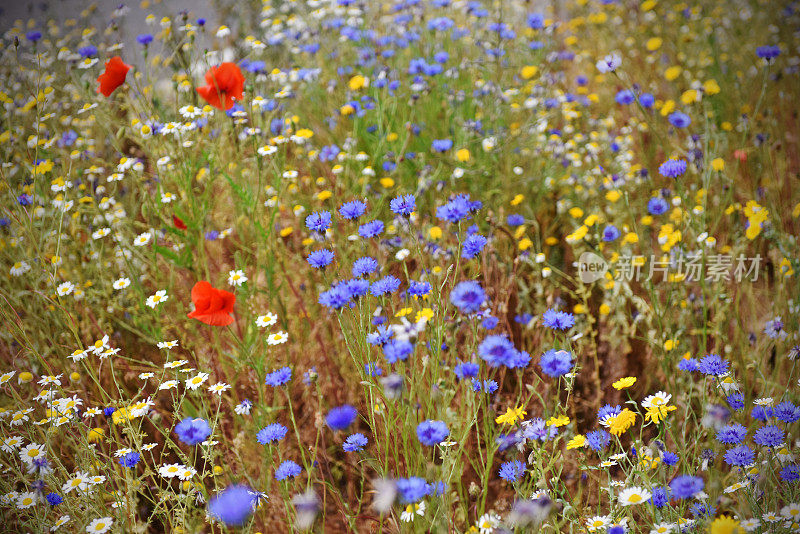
212,306
225,84
178,222
113,76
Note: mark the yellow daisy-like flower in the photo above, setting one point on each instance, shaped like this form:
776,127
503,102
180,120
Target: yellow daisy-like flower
724,525
658,413
625,382
558,420
577,442
619,424
511,416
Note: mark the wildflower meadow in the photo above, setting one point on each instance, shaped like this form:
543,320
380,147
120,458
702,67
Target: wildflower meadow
388,266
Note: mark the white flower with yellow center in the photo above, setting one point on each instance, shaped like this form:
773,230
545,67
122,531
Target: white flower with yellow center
196,381
170,470
156,299
277,339
100,525
268,319
659,399
597,522
31,452
633,495
236,278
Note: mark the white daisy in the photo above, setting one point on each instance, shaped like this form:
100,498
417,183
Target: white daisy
633,495
236,278
159,297
196,381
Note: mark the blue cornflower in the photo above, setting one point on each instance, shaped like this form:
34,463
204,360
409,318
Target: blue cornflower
403,205
130,459
774,328
786,412
672,168
515,220
356,287
144,39
731,434
320,259
371,229
440,24
341,417
790,473
625,97
387,284
54,499
647,100
713,364
287,469
739,456
735,401
372,369
701,509
558,320
278,377
364,266
497,350
431,432
442,145
352,210
556,363
490,322
33,35
688,364
193,431
381,336
657,206
457,209
769,436
466,370
338,296
535,21
686,486
419,289
397,349
768,52
437,488
319,221
412,489
488,386
87,51
616,529
761,413
598,439
523,318
538,430
512,471
610,233
468,296
679,119
355,443
270,433
669,458
659,496
473,246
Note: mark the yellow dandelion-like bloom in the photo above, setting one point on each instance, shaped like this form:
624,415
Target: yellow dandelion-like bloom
724,525
511,416
619,424
623,383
